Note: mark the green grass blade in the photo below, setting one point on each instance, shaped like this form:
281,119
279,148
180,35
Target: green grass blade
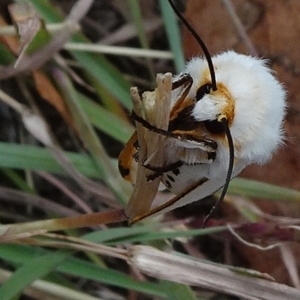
96,64
17,180
106,74
19,254
33,269
173,33
176,291
105,121
156,235
6,56
87,270
37,158
138,21
261,190
90,139
124,233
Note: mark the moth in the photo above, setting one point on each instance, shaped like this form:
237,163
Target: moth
226,112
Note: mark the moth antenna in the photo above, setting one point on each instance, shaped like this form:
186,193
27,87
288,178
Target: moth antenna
229,170
200,42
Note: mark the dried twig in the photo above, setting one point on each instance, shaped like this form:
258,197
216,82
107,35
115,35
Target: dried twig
45,53
241,283
157,111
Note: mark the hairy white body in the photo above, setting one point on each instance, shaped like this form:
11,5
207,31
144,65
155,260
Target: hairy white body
253,101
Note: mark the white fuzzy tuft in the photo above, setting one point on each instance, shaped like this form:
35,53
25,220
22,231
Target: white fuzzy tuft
259,102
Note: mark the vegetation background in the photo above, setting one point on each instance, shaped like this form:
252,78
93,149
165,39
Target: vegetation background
84,98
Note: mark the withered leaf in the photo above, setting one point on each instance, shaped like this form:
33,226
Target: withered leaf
28,23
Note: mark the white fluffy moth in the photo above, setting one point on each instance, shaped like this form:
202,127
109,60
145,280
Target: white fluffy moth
226,112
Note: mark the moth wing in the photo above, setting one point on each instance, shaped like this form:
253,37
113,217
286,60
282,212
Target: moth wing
195,185
127,161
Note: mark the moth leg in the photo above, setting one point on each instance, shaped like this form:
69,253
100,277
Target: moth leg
158,171
184,80
203,143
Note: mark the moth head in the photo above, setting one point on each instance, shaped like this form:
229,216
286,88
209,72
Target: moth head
248,96
213,106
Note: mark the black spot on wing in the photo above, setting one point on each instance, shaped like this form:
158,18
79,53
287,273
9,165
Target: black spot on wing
123,171
168,184
171,178
176,172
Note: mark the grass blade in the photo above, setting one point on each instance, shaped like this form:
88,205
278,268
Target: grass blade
33,269
106,121
19,254
38,158
97,65
261,190
90,139
173,34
